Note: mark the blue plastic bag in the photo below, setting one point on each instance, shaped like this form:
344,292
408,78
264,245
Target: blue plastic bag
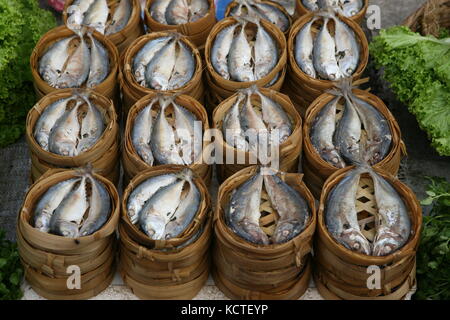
221,6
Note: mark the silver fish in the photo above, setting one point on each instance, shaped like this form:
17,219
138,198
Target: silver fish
158,10
184,67
289,5
141,133
49,202
67,218
162,140
311,5
145,55
240,58
144,191
341,216
290,205
266,53
379,136
273,15
243,214
198,9
393,223
252,124
348,134
99,208
97,15
324,55
64,135
231,126
120,18
99,67
347,48
159,70
53,61
304,44
47,121
92,127
221,49
83,5
322,135
177,12
352,7
184,128
75,17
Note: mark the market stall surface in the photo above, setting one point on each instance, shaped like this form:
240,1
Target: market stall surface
422,161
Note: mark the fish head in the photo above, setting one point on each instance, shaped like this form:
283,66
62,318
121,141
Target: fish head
333,72
356,241
286,231
254,232
348,66
386,242
42,223
332,156
67,229
155,226
66,149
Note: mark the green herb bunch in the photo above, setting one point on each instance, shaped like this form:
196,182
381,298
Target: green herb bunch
11,271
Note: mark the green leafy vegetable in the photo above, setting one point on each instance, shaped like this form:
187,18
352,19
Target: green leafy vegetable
22,23
433,256
11,271
418,70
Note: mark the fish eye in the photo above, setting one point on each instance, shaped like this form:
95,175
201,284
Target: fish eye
357,246
65,233
350,70
332,77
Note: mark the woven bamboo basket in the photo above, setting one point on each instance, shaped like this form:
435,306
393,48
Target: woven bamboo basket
127,35
243,270
278,6
108,88
226,88
317,170
197,31
46,257
341,273
132,91
358,18
103,156
132,162
430,18
289,150
304,89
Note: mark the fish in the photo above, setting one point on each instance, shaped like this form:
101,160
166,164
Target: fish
99,208
379,135
311,5
231,126
97,15
177,12
184,129
252,124
158,10
266,53
304,44
67,218
184,67
120,18
92,127
273,15
141,133
322,132
47,121
240,58
77,67
53,61
324,55
289,5
392,223
75,17
341,216
186,210
144,191
159,70
348,134
49,202
221,49
64,135
159,209
83,5
243,213
351,7
162,139
145,55
99,66
291,207
324,4
198,9
347,48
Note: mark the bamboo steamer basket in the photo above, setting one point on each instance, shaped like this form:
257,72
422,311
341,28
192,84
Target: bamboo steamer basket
243,270
233,4
132,91
197,31
103,156
129,33
358,18
309,88
132,162
108,87
317,170
225,88
139,236
430,18
341,272
289,150
46,257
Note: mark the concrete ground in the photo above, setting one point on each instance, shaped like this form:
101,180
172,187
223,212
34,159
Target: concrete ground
422,161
